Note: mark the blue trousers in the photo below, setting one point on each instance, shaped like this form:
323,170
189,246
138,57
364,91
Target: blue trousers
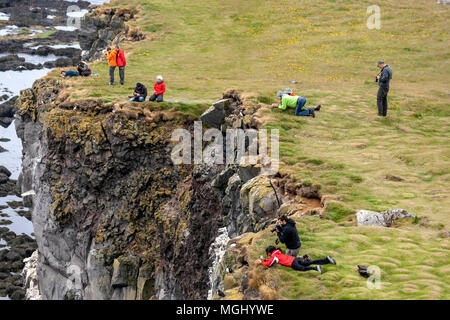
298,111
138,99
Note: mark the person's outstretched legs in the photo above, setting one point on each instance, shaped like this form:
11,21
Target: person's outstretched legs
326,260
299,266
305,112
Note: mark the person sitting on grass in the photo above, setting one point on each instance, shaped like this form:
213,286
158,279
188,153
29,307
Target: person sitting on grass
299,264
69,74
288,101
159,89
140,93
83,69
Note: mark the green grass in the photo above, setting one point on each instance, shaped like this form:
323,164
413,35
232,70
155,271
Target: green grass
325,52
413,265
46,35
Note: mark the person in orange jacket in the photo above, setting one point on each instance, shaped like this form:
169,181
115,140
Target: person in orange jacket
299,264
112,62
159,89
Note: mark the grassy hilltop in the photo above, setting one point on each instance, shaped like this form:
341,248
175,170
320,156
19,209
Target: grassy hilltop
203,47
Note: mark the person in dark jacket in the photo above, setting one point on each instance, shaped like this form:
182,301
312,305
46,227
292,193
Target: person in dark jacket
296,263
140,93
383,80
69,74
288,234
83,69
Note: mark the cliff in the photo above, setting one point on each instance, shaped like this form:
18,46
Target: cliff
114,218
108,202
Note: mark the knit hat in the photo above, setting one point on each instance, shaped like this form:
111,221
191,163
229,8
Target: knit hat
159,78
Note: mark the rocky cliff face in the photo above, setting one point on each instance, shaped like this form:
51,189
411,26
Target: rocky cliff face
114,218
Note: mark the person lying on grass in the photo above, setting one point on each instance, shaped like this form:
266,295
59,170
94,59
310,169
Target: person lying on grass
69,74
140,93
299,264
289,101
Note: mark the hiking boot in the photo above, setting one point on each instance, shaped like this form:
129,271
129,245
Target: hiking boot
319,268
110,84
332,261
312,113
317,108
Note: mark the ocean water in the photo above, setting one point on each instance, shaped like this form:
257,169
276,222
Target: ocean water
11,83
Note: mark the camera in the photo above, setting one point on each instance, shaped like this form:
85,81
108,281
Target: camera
277,226
376,79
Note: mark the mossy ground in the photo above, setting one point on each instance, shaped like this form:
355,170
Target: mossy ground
413,262
203,47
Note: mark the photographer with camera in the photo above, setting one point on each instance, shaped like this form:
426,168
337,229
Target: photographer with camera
287,234
383,80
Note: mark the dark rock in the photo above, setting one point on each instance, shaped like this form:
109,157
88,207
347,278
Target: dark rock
222,179
18,295
13,255
4,275
15,204
8,108
5,171
248,172
391,177
3,178
4,222
8,188
6,122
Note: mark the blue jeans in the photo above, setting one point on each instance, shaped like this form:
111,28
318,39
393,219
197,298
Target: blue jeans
138,99
298,111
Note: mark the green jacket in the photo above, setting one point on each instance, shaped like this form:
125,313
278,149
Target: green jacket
288,101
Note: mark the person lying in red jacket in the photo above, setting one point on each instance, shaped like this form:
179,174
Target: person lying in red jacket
299,264
159,89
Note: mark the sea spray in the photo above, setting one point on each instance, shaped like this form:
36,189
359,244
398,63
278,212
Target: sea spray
216,252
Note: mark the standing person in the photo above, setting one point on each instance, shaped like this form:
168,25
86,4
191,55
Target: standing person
112,62
140,93
299,264
159,89
121,63
383,80
289,101
287,233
